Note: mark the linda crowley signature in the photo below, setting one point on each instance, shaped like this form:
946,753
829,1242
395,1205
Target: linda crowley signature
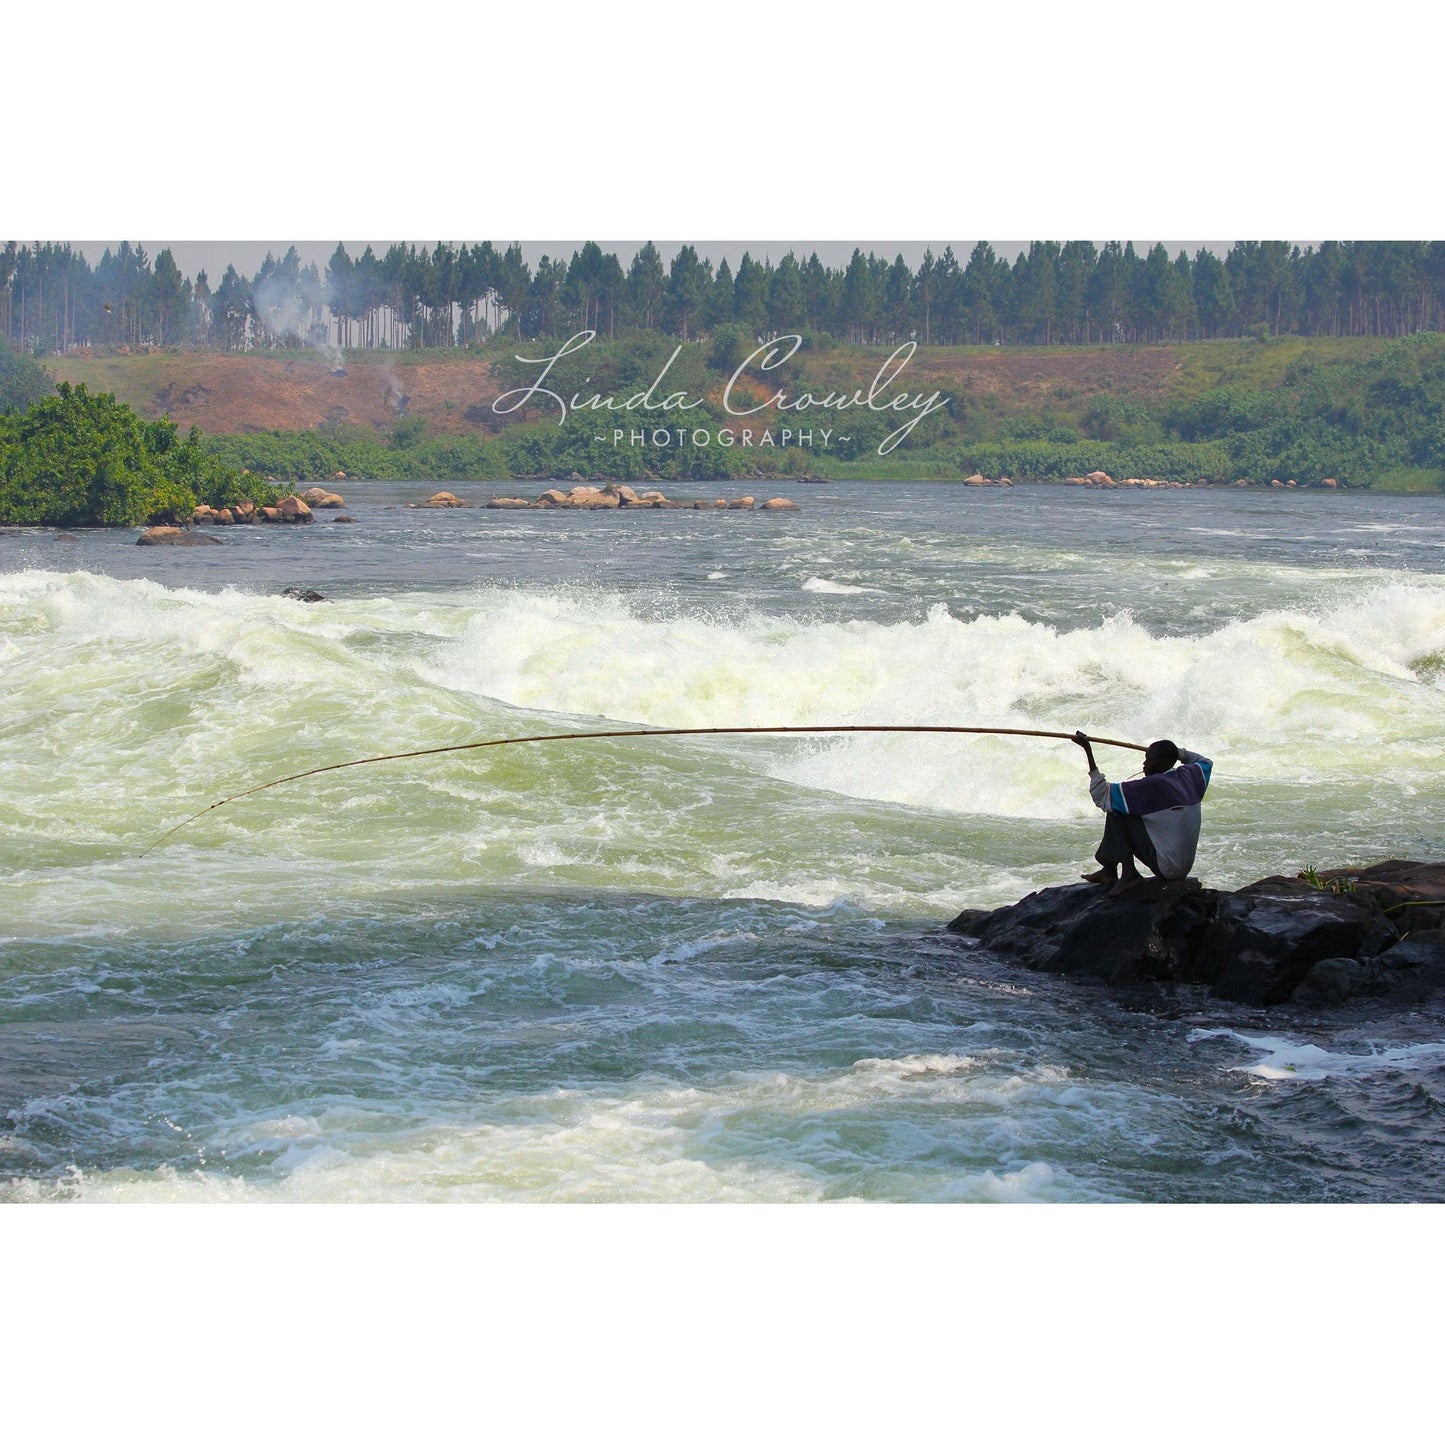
764,358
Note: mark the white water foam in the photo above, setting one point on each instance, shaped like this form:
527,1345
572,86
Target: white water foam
836,589
1283,1058
767,1136
129,705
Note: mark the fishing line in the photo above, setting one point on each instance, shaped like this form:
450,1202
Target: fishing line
628,733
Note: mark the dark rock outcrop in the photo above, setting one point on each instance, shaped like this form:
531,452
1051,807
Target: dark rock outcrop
1411,893
1364,932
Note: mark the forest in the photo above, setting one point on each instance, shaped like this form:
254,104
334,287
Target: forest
412,297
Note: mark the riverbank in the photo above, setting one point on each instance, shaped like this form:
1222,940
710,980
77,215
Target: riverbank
1359,410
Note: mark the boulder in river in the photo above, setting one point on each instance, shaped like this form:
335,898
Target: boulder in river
592,497
175,537
1322,938
293,509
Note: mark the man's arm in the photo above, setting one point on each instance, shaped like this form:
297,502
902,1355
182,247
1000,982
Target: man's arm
1205,765
1098,783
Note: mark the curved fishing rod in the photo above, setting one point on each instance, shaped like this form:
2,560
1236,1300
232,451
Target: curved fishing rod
629,733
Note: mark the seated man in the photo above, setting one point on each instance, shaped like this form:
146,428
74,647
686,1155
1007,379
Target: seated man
1154,818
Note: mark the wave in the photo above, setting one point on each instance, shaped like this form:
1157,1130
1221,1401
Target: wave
93,663
128,706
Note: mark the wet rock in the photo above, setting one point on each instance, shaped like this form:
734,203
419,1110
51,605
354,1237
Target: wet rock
343,517
1414,969
1264,938
971,921
1276,939
1425,949
293,509
1412,895
174,537
303,594
1079,929
592,497
1331,980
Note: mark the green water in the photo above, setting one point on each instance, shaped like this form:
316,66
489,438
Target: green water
689,968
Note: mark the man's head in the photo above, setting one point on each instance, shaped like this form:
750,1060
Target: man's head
1160,757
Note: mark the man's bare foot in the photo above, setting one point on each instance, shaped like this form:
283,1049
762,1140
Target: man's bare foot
1128,882
1102,876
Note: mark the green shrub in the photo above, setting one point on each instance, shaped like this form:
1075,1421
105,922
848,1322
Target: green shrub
78,460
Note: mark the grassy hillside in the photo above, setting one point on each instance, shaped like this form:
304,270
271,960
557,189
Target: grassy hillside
1365,411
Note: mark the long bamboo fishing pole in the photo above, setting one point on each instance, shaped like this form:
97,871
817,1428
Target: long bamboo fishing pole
628,733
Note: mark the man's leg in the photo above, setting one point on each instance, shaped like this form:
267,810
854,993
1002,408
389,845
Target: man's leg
1125,839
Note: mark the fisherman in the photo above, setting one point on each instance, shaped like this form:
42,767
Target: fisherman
1154,818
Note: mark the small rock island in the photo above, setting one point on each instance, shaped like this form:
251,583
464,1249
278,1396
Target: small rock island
1376,932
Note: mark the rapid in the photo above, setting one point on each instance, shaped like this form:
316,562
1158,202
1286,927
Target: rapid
684,968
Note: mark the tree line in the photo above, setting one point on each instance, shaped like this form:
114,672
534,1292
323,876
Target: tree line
1053,293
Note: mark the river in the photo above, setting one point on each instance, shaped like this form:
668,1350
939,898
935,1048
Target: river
693,969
